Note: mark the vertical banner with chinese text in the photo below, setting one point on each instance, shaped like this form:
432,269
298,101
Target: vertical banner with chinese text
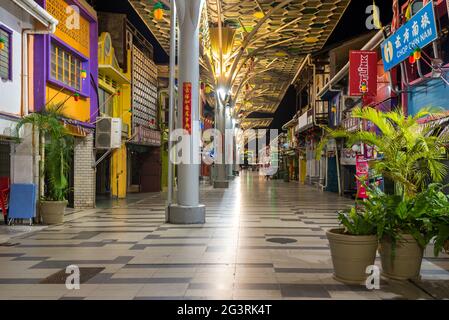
187,107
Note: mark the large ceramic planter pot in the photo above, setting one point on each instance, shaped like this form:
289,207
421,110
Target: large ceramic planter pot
351,255
52,212
406,262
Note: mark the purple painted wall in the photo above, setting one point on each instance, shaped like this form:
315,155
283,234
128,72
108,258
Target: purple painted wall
42,63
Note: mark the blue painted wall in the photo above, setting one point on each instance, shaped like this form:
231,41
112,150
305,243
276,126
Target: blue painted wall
435,94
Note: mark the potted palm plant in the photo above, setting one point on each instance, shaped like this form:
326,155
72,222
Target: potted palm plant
353,247
56,144
412,157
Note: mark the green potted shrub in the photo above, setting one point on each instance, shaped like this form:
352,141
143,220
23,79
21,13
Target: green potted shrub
353,247
406,226
56,144
412,157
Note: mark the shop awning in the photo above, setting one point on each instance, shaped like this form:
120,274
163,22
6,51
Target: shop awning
77,130
437,119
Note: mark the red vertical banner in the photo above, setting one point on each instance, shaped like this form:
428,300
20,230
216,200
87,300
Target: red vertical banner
187,106
363,73
362,173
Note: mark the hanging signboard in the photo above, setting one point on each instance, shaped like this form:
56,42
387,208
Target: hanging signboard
417,33
187,106
146,136
362,173
348,157
363,73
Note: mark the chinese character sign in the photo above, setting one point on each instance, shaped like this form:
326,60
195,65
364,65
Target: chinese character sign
363,73
417,33
187,106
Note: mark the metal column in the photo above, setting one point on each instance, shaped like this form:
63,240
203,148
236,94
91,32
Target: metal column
222,181
188,210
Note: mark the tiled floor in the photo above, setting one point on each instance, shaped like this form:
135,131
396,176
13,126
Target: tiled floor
262,240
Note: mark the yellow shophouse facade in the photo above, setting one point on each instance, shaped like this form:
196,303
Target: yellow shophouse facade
114,101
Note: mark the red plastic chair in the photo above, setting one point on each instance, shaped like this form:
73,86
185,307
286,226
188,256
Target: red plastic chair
4,194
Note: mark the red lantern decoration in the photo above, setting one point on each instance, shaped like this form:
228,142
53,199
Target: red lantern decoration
412,59
76,96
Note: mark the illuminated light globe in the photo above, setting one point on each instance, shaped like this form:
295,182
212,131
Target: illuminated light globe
83,74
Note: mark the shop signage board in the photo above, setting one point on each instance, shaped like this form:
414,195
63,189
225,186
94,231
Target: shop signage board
146,136
187,106
418,32
362,73
348,157
362,173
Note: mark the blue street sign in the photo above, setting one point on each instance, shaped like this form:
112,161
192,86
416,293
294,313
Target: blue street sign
418,32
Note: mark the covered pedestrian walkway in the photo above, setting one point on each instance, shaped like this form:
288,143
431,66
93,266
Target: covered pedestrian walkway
261,240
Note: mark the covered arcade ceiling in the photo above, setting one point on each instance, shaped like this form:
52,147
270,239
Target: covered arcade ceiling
270,40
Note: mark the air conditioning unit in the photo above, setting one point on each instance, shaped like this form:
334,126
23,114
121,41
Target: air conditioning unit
349,102
108,133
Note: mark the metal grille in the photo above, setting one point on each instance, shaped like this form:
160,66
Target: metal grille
59,10
65,67
144,90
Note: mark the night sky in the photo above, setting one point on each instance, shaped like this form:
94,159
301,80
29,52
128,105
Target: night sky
351,25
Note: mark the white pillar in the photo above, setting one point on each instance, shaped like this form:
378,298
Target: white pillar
229,150
222,181
188,210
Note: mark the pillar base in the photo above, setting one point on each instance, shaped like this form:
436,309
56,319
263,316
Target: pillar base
178,214
221,184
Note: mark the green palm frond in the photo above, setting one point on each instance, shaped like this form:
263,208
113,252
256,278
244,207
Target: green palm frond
58,147
375,117
330,134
